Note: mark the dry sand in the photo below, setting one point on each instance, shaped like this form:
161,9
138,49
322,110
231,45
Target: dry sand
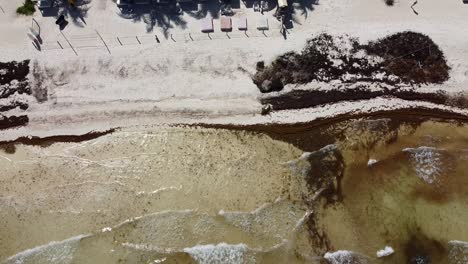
204,80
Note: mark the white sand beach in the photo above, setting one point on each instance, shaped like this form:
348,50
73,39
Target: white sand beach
190,78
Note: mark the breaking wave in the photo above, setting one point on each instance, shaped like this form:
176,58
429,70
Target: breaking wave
235,237
60,252
220,253
345,257
427,162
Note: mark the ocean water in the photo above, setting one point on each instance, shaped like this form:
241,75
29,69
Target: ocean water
408,191
335,194
170,194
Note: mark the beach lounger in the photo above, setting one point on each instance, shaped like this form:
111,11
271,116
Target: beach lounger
226,24
262,23
207,25
242,23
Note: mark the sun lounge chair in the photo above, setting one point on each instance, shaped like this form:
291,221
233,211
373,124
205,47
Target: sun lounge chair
207,25
242,23
282,4
226,24
262,23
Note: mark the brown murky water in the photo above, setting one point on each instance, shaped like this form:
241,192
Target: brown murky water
191,195
408,191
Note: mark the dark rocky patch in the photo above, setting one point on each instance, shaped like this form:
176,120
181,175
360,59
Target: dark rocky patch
20,88
13,80
420,249
13,70
13,121
8,148
413,57
402,58
325,174
318,237
13,105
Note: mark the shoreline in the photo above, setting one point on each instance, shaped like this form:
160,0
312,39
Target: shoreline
279,129
283,129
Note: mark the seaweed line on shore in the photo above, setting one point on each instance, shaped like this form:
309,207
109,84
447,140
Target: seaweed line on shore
45,141
284,129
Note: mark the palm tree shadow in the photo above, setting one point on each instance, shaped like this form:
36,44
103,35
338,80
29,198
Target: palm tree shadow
211,8
302,8
165,17
77,14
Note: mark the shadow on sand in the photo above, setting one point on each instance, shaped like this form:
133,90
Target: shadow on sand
163,16
76,14
297,9
170,15
303,7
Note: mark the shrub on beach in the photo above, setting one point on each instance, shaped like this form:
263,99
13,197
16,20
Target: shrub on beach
324,58
390,2
27,8
413,57
405,57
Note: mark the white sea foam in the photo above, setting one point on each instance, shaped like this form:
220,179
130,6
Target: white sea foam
339,257
55,252
162,189
220,253
149,248
371,162
136,218
3,157
387,251
106,229
302,220
427,162
346,257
